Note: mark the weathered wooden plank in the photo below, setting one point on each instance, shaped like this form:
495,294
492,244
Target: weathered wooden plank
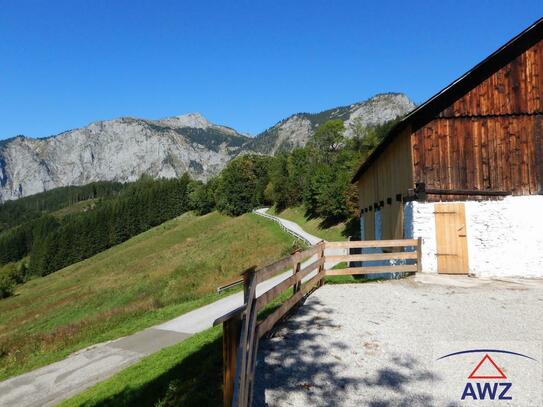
373,256
512,89
283,285
247,339
286,262
493,153
419,255
274,268
271,320
311,251
296,265
538,152
486,139
372,270
238,311
230,346
371,243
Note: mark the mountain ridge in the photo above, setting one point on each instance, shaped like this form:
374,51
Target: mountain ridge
127,147
295,130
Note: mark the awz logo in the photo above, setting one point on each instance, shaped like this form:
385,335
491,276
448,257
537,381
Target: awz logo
487,380
487,389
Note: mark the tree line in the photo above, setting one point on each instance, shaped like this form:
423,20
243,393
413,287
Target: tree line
13,213
317,176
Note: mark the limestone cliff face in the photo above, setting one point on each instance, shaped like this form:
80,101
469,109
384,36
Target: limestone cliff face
296,130
126,148
121,150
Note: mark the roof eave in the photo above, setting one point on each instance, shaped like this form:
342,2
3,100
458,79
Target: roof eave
426,111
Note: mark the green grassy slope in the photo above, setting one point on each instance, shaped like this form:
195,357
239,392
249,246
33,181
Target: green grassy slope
315,226
150,278
186,374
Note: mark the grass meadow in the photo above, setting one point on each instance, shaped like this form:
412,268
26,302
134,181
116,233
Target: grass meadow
153,277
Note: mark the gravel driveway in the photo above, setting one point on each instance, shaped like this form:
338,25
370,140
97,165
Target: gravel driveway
377,344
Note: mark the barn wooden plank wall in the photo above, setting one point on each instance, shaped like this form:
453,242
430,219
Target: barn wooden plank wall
490,139
497,153
391,176
515,88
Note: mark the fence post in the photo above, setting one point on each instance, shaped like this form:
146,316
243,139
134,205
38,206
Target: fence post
419,255
296,266
248,342
230,345
248,276
323,266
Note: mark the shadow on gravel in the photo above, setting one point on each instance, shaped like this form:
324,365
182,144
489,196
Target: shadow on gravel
299,366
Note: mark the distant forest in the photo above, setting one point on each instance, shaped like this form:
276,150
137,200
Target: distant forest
13,213
36,241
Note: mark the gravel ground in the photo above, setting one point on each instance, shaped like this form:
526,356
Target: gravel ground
377,344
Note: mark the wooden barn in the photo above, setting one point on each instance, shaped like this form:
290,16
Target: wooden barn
464,170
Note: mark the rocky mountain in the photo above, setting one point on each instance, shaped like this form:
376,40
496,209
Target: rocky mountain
123,149
295,130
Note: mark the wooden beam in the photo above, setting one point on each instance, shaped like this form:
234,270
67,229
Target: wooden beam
247,340
272,269
238,311
421,191
419,255
371,243
286,262
275,316
372,256
283,285
230,345
372,270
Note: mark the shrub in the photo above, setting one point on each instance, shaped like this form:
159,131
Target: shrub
7,285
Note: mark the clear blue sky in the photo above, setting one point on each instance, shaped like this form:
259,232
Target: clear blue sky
246,64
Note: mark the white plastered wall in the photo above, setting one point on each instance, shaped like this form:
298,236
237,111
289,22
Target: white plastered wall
505,237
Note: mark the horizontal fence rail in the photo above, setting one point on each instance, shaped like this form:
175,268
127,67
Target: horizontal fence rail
394,256
227,286
242,327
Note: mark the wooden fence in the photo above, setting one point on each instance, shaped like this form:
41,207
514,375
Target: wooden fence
242,329
402,256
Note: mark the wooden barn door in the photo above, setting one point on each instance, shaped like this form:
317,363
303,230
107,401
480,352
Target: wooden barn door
451,236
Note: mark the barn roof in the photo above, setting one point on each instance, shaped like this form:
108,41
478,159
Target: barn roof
444,98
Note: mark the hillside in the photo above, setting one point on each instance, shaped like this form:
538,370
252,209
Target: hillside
150,278
123,149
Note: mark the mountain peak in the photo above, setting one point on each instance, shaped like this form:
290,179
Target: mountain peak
195,120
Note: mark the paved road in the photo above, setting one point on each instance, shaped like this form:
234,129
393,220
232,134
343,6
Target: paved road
290,226
297,230
50,384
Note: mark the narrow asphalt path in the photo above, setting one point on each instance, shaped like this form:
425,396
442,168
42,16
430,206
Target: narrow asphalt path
50,384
